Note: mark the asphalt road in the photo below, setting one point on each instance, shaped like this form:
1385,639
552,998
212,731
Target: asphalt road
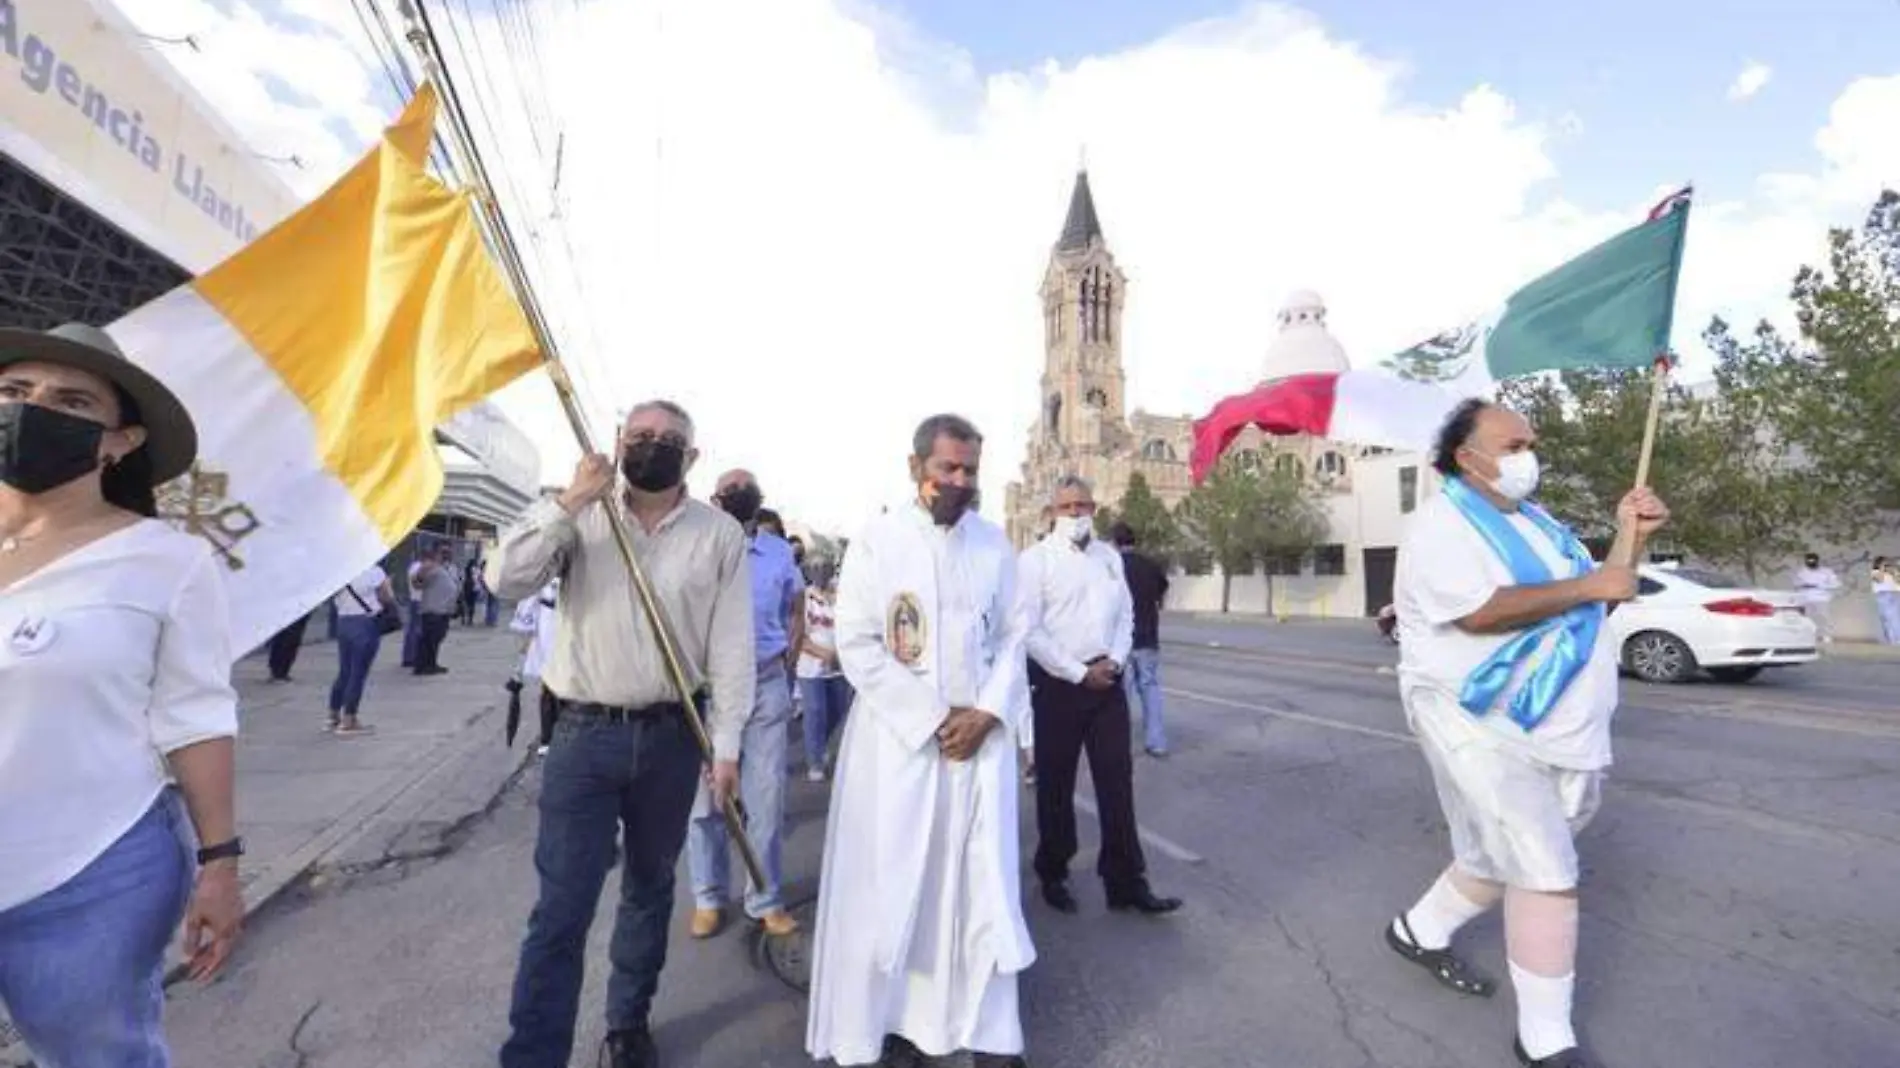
1739,906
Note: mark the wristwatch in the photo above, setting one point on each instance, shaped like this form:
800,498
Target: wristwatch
221,851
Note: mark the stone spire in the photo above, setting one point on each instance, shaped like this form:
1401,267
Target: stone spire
1081,226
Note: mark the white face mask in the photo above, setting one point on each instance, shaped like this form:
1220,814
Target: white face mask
1517,475
1076,528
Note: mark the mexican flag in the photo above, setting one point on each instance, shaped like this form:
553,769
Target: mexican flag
1613,306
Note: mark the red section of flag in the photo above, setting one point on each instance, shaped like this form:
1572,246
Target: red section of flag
1675,201
1300,404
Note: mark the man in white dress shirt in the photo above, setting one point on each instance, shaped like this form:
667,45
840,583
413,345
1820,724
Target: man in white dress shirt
920,932
1079,625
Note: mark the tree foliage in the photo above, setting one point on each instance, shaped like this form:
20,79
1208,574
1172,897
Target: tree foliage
1242,515
1156,533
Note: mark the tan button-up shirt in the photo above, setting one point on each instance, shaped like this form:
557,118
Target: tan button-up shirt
604,648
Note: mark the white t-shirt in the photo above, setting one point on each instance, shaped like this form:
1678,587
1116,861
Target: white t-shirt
1815,585
1446,571
110,657
360,597
821,630
1887,581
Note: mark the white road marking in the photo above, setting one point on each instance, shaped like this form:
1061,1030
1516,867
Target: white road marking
1297,717
1178,852
1756,818
1865,723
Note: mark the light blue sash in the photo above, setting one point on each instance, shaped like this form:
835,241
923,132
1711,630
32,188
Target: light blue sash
1576,629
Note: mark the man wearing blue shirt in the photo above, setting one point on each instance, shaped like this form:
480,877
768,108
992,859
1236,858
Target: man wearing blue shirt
777,636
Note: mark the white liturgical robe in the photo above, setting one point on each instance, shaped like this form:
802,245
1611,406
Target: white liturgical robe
920,928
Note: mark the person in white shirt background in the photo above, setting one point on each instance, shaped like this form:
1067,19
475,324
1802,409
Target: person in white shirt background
535,618
1078,627
1509,682
1815,585
359,636
1885,576
821,681
102,732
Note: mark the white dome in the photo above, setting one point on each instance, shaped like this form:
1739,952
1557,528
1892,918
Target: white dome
1304,346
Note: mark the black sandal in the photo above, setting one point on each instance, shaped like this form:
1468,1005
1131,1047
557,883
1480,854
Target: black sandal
1444,966
1563,1058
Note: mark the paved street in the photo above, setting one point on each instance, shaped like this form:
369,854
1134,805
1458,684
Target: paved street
1738,908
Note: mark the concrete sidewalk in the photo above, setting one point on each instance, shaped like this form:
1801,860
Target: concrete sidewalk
308,799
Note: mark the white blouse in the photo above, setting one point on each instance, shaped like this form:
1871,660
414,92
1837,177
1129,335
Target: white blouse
110,657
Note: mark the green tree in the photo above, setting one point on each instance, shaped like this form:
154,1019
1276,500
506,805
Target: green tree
1156,532
1292,520
1844,415
1242,515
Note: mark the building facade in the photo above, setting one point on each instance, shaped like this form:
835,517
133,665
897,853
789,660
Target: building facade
1083,428
1083,425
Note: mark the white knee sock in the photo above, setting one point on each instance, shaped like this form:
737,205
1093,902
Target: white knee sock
1439,914
1543,1012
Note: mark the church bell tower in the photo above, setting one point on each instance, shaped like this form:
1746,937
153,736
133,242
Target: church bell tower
1082,293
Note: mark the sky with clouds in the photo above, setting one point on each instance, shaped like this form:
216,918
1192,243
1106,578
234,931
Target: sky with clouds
814,222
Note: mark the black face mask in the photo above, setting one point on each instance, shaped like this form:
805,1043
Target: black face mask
742,502
42,449
950,502
654,466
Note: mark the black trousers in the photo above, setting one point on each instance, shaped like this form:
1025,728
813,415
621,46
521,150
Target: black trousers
1071,720
429,646
284,647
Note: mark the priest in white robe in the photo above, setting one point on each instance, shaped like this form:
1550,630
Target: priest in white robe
920,933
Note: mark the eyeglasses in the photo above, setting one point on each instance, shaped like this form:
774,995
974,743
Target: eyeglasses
648,437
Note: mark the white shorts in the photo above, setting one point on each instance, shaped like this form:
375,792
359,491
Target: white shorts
1513,819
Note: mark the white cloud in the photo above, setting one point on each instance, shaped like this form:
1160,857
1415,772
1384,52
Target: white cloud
821,229
1752,79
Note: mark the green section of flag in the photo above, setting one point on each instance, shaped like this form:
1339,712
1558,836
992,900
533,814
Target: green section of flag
1610,307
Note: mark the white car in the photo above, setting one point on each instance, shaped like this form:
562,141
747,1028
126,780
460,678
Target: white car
1686,620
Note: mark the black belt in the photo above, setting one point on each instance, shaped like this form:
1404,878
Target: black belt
626,714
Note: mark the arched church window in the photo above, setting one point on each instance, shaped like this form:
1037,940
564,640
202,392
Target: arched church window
1288,464
1053,412
1157,449
1108,305
1248,459
1331,467
1095,398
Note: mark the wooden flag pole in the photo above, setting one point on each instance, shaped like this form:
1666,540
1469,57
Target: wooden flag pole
1658,385
423,41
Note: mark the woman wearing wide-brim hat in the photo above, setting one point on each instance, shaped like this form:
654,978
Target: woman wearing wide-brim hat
115,705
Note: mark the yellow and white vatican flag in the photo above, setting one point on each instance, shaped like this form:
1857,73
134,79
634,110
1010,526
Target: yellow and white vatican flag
317,362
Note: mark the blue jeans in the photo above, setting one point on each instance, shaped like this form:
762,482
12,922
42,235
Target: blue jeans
636,777
357,640
762,755
1888,605
80,964
1143,682
826,702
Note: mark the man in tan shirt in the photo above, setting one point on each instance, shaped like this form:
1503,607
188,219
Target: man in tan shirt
623,758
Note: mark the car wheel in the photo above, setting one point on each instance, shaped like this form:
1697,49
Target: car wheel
1740,674
1657,656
